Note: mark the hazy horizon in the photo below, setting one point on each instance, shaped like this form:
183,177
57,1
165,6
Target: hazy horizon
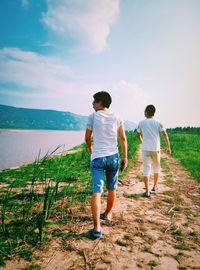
134,122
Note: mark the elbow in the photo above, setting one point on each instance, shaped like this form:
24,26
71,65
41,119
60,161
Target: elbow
164,133
123,139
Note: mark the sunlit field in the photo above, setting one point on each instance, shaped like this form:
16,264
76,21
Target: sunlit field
185,146
36,198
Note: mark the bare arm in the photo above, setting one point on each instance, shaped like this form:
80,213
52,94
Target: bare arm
123,142
88,135
166,138
139,136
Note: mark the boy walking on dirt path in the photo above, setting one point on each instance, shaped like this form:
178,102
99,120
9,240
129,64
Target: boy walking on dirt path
105,127
149,135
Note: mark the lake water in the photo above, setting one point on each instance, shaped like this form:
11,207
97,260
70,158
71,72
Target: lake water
23,146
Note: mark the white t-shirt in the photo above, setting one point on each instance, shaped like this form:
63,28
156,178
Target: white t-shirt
150,130
104,125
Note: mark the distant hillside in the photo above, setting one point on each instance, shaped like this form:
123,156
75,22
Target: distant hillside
11,117
22,118
130,125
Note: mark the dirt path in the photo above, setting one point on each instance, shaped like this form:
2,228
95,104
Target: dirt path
160,233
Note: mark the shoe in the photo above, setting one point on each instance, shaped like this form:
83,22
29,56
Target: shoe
155,190
96,234
146,195
104,217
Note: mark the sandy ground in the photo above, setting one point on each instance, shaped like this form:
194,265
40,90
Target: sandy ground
160,233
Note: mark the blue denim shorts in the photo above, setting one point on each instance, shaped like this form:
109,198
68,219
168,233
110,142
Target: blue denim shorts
110,166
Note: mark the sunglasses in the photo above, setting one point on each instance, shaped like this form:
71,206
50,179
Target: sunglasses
95,101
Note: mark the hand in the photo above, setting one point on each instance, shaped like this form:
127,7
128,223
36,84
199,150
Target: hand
126,162
168,150
123,164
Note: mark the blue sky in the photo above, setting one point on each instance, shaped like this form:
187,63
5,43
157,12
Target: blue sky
55,54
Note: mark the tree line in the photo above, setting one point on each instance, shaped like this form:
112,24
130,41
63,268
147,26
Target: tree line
192,130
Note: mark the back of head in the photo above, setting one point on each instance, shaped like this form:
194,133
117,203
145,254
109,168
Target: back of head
104,98
150,110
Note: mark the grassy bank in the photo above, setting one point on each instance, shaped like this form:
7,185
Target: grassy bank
186,148
36,199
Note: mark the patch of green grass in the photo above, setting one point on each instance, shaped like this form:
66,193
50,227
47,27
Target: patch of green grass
170,193
186,148
128,237
178,209
194,236
169,181
132,196
179,255
178,200
168,175
140,177
168,200
106,261
133,144
32,267
25,253
121,243
181,246
152,264
165,166
67,245
139,220
2,260
147,249
177,233
126,241
174,197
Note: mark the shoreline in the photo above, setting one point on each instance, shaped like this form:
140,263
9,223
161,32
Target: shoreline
66,152
25,149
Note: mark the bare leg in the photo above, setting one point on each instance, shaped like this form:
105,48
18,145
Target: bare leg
96,208
146,183
155,178
110,202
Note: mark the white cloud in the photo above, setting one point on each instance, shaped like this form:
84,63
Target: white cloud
46,79
129,100
87,22
13,93
51,82
25,3
32,70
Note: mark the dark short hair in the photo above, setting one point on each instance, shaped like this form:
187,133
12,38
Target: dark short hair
150,110
104,98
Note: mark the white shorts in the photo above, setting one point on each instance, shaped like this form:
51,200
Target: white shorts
150,158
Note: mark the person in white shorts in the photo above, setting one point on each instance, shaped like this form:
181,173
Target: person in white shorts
148,132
